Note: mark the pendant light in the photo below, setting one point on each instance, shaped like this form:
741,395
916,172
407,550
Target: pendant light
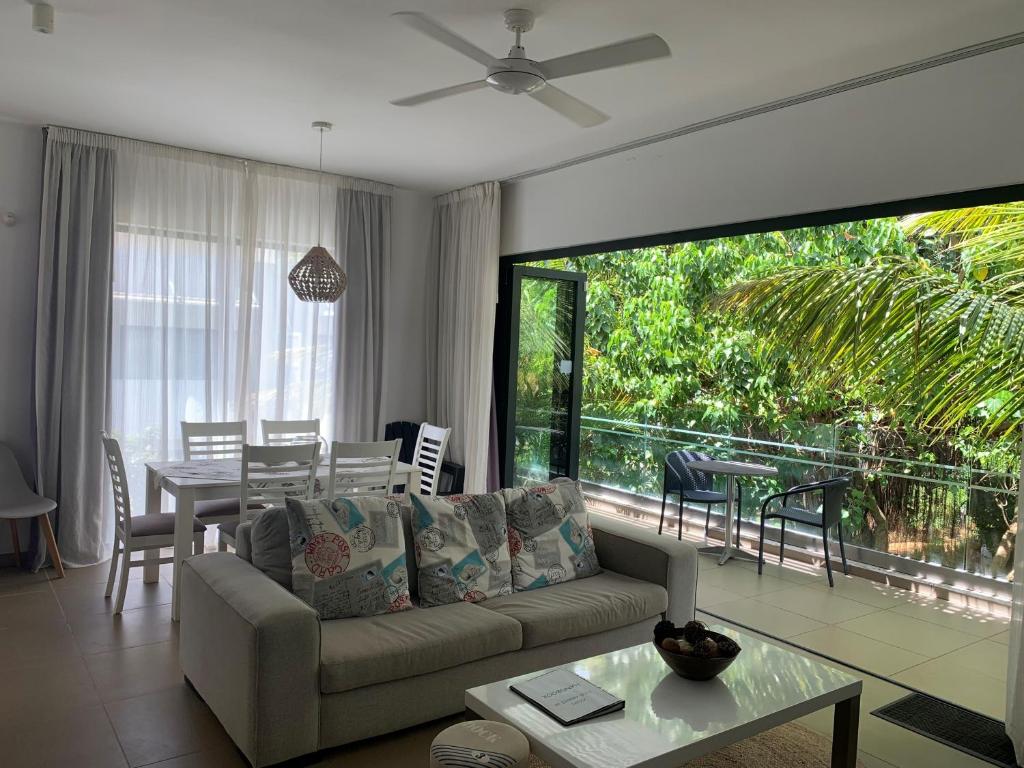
317,276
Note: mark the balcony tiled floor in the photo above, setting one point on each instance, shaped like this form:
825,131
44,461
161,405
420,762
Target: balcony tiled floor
86,689
925,643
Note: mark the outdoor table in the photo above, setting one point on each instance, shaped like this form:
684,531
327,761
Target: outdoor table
732,470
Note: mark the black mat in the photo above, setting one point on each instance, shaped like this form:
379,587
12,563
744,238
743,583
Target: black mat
976,735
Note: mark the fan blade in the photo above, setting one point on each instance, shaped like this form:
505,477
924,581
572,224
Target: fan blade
445,36
568,106
607,56
440,93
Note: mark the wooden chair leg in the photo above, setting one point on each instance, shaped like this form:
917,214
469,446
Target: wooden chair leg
113,566
122,587
15,542
51,544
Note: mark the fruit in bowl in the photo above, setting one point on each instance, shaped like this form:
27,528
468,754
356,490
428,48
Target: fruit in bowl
694,651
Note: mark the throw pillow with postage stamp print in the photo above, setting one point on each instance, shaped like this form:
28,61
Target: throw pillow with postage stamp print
549,534
461,548
348,555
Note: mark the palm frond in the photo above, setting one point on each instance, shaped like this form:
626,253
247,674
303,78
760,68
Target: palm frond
936,349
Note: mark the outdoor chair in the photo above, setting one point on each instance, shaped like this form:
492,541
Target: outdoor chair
832,494
694,486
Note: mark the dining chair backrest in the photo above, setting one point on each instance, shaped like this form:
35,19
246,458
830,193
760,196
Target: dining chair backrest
290,432
119,483
431,444
681,477
273,473
363,469
212,439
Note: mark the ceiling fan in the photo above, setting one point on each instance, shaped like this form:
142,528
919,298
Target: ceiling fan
517,74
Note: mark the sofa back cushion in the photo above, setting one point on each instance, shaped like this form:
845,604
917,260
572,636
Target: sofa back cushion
269,549
549,534
461,547
348,555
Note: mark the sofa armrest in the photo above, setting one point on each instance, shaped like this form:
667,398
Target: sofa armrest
644,555
251,649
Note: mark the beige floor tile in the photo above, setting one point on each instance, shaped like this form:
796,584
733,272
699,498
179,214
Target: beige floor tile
82,599
227,757
865,652
816,604
165,724
97,633
741,579
131,672
708,596
34,644
30,609
82,738
35,690
1003,638
869,592
908,633
945,678
891,743
766,618
97,574
987,657
409,748
944,614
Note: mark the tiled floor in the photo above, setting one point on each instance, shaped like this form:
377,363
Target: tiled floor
85,689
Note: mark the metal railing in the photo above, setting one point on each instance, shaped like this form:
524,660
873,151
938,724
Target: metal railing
947,516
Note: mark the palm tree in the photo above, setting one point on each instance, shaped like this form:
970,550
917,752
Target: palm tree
939,340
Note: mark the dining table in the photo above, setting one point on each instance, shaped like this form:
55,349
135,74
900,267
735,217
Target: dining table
731,470
191,481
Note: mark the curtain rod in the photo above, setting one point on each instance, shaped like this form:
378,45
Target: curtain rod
221,155
959,54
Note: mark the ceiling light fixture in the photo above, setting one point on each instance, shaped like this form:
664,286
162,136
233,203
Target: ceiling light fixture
317,277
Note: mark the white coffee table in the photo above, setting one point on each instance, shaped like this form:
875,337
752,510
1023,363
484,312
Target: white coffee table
731,470
669,721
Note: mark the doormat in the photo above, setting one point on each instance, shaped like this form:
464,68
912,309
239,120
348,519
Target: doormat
974,734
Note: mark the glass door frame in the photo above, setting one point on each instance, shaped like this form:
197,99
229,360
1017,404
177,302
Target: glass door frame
506,359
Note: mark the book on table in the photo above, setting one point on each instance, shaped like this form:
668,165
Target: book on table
567,697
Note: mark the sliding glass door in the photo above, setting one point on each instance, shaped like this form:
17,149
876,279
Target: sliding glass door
543,311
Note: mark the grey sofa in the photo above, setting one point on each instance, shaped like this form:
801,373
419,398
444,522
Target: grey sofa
285,684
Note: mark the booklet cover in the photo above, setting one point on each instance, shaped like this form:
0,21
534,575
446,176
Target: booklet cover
567,697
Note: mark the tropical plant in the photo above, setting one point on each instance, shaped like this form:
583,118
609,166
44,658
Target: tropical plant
938,337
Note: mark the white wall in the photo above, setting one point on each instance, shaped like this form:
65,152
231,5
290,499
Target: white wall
951,128
405,393
20,178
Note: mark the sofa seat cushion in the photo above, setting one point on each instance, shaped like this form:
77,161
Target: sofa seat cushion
581,607
377,649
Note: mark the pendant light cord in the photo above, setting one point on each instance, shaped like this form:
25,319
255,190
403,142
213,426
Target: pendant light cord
319,185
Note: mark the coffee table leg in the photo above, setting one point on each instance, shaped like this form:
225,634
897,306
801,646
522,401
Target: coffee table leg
845,724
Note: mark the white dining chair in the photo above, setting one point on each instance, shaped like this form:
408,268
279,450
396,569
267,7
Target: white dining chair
363,469
19,502
204,440
270,475
291,432
134,534
431,444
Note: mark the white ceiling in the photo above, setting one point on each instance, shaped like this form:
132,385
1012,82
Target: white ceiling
246,77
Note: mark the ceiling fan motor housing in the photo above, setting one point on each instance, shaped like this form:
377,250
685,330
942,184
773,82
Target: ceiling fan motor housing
515,75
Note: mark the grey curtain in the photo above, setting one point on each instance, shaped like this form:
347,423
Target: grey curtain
364,252
72,342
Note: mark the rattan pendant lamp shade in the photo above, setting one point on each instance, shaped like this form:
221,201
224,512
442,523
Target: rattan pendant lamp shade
317,277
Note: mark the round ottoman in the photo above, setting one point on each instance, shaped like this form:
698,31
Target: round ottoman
480,742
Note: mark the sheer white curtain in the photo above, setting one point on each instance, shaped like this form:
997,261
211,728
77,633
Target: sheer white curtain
205,324
464,249
1015,670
